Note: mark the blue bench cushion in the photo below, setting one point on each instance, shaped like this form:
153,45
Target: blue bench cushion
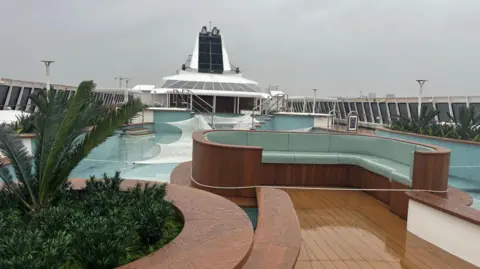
229,138
268,141
309,142
271,156
401,178
316,157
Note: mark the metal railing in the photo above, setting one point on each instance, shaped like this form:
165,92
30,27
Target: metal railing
197,103
331,119
352,114
268,109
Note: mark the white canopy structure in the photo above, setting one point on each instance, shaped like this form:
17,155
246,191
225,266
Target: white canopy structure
206,75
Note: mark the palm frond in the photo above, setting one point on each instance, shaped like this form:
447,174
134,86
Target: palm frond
14,149
104,128
60,137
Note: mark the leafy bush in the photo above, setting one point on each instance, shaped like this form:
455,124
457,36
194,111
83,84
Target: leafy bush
99,227
466,126
24,124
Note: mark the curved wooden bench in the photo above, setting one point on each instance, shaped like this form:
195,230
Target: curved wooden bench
216,234
277,237
246,159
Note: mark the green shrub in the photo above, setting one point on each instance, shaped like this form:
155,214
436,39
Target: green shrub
98,227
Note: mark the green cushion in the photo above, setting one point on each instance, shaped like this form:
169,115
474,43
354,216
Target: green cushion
277,157
228,137
351,144
268,140
316,157
376,165
308,142
401,178
396,150
348,158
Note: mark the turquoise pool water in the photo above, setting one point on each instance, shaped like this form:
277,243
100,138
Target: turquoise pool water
119,153
252,215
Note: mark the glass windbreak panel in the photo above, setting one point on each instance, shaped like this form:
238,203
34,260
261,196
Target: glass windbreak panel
376,112
352,107
189,85
177,85
321,107
456,107
24,98
359,108
3,95
368,113
208,86
32,107
342,110
413,109
383,109
402,108
14,96
168,83
429,106
217,86
226,87
476,108
346,107
444,110
392,107
199,85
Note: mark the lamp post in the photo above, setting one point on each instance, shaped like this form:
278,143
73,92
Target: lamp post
126,89
47,71
314,100
420,82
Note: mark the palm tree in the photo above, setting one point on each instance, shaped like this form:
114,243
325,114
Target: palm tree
61,126
416,124
466,124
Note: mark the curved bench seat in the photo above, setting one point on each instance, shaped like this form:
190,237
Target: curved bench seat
392,170
388,158
245,159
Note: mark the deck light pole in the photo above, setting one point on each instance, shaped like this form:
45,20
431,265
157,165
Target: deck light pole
126,89
314,100
47,71
420,82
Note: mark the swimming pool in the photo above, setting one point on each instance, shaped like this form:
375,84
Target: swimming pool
120,153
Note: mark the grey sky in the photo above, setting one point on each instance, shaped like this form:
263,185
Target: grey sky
341,47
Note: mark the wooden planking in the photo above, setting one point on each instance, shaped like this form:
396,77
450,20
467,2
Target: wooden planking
350,229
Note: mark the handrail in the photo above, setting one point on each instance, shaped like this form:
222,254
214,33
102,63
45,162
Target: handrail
196,102
333,113
348,121
268,108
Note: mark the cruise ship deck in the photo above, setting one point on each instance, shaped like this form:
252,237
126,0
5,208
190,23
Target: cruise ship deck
350,229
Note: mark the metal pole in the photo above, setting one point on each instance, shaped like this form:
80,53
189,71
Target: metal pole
126,89
314,100
47,71
420,82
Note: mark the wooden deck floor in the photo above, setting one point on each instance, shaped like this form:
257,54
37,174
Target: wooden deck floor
350,229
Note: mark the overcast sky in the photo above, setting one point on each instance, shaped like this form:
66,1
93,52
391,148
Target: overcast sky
341,47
